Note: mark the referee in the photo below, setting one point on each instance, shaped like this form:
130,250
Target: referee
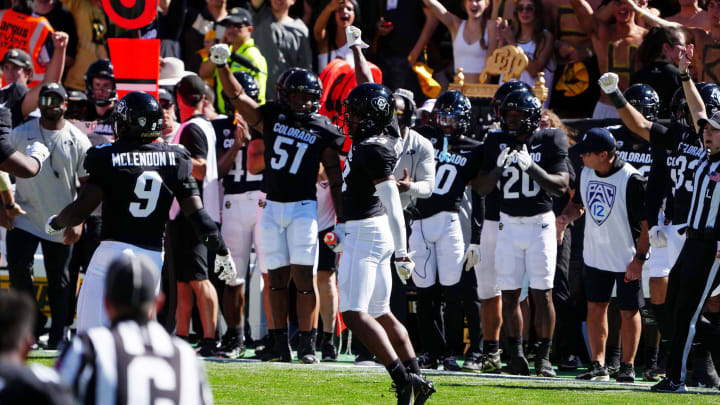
695,274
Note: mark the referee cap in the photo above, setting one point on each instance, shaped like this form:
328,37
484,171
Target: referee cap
131,281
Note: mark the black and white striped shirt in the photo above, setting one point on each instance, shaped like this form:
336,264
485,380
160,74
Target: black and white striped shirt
703,216
133,363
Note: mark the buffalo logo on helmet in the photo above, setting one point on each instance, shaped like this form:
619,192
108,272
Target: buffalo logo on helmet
121,107
381,104
142,121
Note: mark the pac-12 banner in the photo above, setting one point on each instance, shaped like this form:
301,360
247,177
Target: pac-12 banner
136,63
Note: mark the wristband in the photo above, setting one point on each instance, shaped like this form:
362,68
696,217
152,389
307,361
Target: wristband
9,206
685,76
617,99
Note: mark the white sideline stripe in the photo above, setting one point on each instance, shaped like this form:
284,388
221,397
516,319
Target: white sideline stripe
693,321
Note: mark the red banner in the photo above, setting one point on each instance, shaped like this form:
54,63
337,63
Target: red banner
131,14
136,63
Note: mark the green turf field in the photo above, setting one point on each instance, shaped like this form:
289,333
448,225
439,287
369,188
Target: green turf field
242,382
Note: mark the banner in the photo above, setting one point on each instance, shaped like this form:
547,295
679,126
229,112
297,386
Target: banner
131,14
136,63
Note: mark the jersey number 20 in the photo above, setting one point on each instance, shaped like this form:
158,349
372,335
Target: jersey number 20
529,188
147,189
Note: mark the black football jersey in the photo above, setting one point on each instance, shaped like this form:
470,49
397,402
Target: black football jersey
632,149
685,151
293,151
139,182
238,180
36,384
370,159
521,195
453,172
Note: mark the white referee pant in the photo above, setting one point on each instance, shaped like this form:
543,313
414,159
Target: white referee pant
526,245
437,243
485,273
91,301
289,233
241,230
364,279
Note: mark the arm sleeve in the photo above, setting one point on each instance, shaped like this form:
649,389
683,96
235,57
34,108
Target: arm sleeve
635,197
193,139
478,216
390,197
577,197
6,147
93,168
658,136
657,183
490,153
424,177
186,185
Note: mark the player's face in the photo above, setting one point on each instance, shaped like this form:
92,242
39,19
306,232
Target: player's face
711,138
447,123
345,16
300,102
102,88
14,73
52,106
622,11
525,11
514,119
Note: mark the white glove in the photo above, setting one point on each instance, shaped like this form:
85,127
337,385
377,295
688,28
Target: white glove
49,229
226,267
505,158
219,54
609,82
524,159
472,256
353,37
339,232
658,238
404,270
38,151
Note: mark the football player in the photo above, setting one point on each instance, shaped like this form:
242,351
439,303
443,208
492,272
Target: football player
240,212
295,141
685,150
102,95
369,235
529,167
135,179
436,236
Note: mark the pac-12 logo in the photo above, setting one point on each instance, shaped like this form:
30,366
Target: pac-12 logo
600,198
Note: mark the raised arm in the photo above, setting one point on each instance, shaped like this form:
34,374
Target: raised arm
363,74
53,73
450,20
695,102
428,30
243,103
650,18
538,64
319,29
631,117
585,15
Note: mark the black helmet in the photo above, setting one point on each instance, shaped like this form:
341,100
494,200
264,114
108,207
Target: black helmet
526,102
280,83
452,109
248,83
372,106
137,115
710,94
503,91
644,99
300,81
100,68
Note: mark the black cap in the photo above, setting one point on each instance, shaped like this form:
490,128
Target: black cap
713,121
18,57
238,16
131,281
596,140
53,88
76,95
164,95
191,88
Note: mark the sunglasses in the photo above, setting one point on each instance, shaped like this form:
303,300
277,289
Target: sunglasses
526,9
51,100
166,105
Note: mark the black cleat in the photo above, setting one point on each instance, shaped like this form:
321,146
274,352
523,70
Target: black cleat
329,353
596,372
414,392
667,385
209,349
543,368
704,369
232,348
571,363
626,373
427,361
450,364
473,363
518,366
492,363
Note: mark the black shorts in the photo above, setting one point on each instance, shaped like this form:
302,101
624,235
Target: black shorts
327,259
187,256
599,285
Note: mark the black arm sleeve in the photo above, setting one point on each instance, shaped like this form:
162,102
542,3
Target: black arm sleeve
657,186
6,149
207,231
478,216
658,136
193,139
577,197
635,197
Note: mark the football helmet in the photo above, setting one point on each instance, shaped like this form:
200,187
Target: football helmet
710,94
249,84
452,109
525,102
369,108
300,81
503,91
101,68
644,99
137,116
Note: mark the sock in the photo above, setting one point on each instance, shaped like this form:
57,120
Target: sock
544,345
659,311
281,337
491,346
412,366
612,356
235,332
398,373
515,345
327,337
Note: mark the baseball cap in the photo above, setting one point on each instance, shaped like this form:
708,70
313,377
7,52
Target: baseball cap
164,95
18,57
427,106
238,16
191,88
131,281
53,88
713,121
595,140
76,95
171,71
